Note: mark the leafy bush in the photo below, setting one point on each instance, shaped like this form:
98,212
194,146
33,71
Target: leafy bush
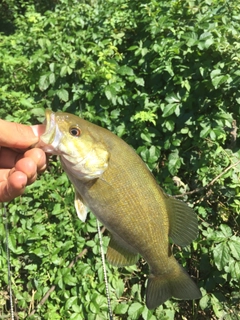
164,76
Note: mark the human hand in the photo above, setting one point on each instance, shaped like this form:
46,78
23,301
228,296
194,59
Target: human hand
18,165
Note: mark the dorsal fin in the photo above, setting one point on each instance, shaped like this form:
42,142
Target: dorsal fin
183,223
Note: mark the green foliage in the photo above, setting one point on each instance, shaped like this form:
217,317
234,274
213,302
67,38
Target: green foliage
164,76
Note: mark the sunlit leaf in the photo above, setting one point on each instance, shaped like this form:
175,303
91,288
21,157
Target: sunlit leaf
44,82
63,95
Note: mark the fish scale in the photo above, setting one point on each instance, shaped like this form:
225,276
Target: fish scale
125,200
114,183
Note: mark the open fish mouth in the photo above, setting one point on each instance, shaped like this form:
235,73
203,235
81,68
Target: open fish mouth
49,122
50,139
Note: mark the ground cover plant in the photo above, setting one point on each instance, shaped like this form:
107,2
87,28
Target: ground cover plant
164,76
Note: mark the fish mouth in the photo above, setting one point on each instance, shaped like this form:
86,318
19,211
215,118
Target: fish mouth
49,121
49,140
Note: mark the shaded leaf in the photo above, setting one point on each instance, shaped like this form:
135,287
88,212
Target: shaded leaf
234,244
110,92
125,70
221,255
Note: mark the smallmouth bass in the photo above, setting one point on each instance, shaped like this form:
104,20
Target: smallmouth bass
113,182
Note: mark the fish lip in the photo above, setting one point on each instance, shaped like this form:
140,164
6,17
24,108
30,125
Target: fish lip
50,123
46,139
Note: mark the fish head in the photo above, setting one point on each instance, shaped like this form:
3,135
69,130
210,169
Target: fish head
82,155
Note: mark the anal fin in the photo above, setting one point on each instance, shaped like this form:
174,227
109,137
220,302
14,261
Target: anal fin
120,253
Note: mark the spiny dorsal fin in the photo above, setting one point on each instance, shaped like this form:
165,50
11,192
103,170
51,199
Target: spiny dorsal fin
183,223
119,253
80,207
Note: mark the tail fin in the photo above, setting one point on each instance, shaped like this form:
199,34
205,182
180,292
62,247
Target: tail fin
176,283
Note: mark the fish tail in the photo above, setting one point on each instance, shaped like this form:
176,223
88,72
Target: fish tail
176,283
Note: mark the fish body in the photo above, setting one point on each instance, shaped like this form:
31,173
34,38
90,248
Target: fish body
114,183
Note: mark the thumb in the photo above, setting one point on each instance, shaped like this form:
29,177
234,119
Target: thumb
16,135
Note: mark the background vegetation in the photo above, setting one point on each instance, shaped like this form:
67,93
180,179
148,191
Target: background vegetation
164,76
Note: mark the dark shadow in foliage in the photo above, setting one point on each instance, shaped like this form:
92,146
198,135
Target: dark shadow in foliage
10,9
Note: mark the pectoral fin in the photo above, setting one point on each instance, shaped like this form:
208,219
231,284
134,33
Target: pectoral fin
120,253
80,207
183,222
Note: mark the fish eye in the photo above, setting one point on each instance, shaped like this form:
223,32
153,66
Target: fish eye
74,131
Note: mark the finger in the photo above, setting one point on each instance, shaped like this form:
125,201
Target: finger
8,158
13,186
38,156
28,167
15,135
14,181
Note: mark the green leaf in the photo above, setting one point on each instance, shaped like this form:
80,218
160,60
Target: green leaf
205,131
94,307
140,81
221,255
174,162
174,101
70,280
26,103
65,277
218,78
70,302
233,268
226,230
38,112
125,70
76,308
169,125
205,40
63,95
234,244
146,136
13,245
133,48
121,308
148,314
110,92
191,38
44,82
63,71
168,110
135,310
173,98
204,301
215,73
52,78
119,288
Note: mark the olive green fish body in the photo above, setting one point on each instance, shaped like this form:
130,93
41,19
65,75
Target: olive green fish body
114,183
127,192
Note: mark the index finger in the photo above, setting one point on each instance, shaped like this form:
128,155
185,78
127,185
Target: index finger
16,135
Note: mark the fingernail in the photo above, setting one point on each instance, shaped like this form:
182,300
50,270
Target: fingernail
38,129
35,130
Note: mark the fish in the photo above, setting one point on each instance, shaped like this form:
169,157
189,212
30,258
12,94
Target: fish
112,181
